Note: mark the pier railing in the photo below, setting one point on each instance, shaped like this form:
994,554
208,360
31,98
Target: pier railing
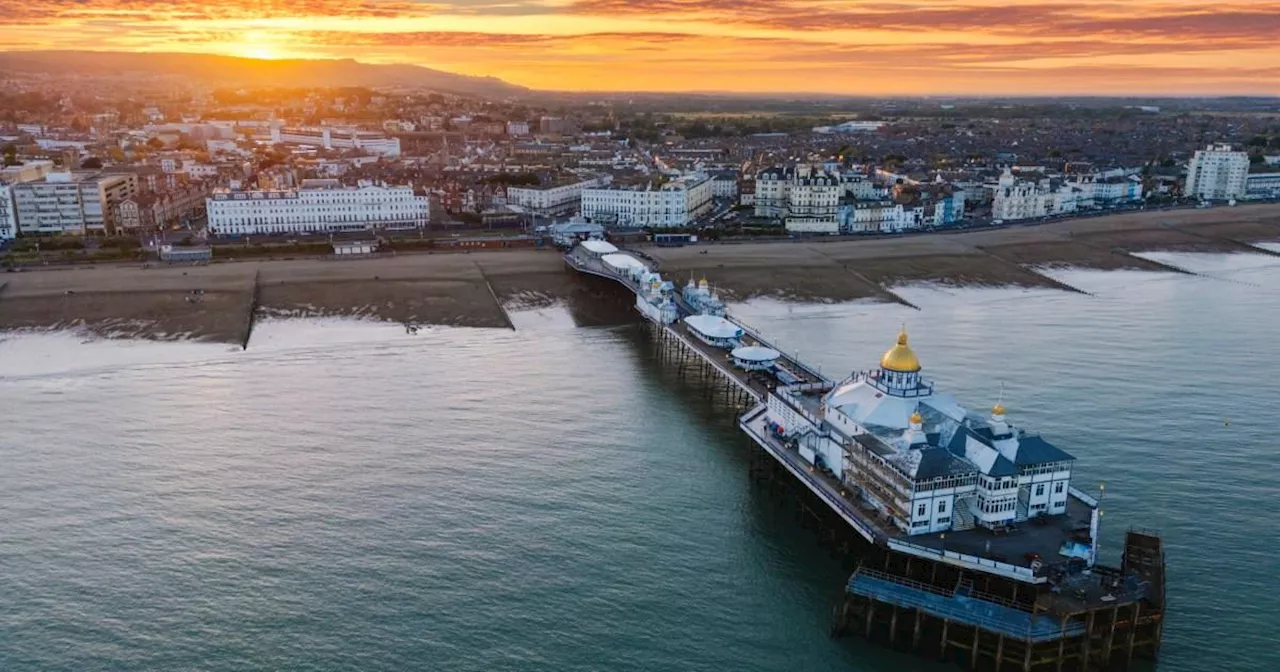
1005,569
800,469
955,606
1080,495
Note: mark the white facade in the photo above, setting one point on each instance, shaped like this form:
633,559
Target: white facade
675,204
9,176
924,461
8,214
1217,173
329,137
879,217
807,199
1263,185
517,128
724,185
552,200
1023,199
1096,192
319,206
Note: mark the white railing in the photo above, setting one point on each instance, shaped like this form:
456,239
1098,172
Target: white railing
821,386
1004,569
1080,495
843,507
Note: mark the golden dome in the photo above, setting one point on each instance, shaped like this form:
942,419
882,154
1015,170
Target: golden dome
917,419
998,409
900,357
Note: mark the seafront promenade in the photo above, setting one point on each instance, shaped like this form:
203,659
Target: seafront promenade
134,301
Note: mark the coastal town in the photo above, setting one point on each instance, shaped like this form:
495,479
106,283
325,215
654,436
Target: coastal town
139,176
100,170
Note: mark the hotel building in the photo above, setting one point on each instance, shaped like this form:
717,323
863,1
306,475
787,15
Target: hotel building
318,206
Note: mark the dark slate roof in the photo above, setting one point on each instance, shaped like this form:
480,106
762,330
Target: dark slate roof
1003,467
1035,450
874,444
939,462
956,446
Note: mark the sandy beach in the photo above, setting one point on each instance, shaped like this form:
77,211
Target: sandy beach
215,302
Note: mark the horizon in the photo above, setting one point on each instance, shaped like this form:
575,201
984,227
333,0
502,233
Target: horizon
1154,48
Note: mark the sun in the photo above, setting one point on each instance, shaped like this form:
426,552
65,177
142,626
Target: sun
265,53
257,44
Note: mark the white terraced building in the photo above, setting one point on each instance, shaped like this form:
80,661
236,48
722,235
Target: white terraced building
924,461
328,137
1025,199
556,198
318,206
677,203
805,196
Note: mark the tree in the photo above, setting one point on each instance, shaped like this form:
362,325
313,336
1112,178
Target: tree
155,143
92,163
11,155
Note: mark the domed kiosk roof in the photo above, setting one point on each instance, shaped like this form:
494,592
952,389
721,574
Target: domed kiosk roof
756,353
900,357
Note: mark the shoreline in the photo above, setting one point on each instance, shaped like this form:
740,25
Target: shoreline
219,302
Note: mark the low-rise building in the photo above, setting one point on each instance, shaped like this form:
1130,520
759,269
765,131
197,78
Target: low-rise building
149,211
556,196
317,206
329,137
674,204
1262,186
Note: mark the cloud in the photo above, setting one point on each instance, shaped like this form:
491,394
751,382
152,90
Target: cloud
143,11
839,45
1238,19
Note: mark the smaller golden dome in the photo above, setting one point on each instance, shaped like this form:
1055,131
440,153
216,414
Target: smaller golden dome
998,409
917,419
900,357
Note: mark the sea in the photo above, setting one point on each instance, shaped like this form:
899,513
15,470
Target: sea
346,496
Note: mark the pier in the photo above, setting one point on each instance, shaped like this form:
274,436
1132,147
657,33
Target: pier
1027,597
693,352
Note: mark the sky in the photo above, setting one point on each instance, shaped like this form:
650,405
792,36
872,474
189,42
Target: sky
852,47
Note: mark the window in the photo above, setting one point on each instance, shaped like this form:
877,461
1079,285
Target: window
942,506
1057,487
1039,489
920,510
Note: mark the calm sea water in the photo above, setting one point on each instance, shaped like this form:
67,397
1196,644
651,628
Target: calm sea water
344,496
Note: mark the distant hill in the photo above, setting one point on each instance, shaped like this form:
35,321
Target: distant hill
249,72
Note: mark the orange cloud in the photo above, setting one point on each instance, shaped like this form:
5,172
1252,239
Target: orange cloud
839,46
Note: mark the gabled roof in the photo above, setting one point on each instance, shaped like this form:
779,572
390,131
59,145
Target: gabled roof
939,462
1035,450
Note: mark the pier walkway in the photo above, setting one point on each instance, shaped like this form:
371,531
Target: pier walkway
754,384
963,606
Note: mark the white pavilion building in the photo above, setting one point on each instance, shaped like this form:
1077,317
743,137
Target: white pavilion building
925,462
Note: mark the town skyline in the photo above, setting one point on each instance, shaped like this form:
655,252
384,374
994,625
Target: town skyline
912,48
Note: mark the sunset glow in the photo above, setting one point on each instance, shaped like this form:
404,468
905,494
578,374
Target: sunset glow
833,46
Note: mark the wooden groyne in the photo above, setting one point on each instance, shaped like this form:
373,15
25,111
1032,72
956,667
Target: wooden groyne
254,300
